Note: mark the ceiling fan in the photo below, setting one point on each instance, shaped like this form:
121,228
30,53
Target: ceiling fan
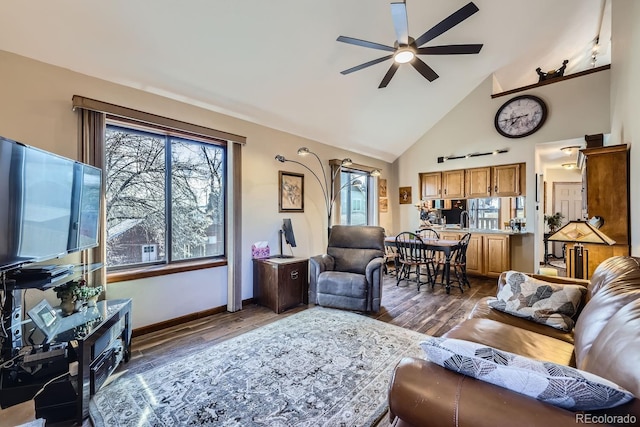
406,48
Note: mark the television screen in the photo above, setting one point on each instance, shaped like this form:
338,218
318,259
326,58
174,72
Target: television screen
49,206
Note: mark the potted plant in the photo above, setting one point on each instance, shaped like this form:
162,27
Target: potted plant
90,294
73,295
554,221
68,298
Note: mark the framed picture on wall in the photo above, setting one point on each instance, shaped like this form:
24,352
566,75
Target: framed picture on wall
291,192
382,187
405,195
383,204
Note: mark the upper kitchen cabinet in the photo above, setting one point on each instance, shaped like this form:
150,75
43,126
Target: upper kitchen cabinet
478,183
431,185
495,181
489,181
442,185
453,184
506,181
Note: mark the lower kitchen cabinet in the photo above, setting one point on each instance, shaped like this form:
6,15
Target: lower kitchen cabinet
487,254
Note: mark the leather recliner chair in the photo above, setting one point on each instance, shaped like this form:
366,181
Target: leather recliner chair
349,275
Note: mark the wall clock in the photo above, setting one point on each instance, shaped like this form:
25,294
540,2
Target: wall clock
521,116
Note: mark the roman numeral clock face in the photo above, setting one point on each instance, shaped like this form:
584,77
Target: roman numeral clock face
521,116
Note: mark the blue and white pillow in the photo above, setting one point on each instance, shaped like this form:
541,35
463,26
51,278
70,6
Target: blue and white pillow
559,385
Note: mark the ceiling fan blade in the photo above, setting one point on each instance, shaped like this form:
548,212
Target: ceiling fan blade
426,71
400,22
451,49
446,24
366,64
364,43
387,77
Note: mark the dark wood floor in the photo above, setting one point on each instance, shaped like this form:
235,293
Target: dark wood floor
430,311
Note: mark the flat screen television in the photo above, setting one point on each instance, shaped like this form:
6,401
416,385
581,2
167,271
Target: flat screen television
49,205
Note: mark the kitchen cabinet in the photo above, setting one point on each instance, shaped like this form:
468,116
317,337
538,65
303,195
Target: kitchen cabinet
506,181
490,181
453,184
475,261
494,181
487,254
478,182
497,254
430,185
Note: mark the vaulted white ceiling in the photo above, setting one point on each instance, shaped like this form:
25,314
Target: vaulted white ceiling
277,62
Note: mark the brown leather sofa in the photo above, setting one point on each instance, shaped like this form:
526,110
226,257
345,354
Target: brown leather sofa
605,342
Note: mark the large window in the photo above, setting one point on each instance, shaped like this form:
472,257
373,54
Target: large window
165,197
354,198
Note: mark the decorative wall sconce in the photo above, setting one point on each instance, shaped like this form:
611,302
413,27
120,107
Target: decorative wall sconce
466,156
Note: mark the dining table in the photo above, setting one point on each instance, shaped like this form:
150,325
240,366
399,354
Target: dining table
446,246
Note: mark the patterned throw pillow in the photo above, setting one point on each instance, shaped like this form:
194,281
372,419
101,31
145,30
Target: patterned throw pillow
562,386
542,302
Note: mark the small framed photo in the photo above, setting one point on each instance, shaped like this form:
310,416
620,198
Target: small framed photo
383,204
382,187
291,192
405,195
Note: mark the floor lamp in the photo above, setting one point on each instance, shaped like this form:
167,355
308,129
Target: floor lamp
324,183
578,233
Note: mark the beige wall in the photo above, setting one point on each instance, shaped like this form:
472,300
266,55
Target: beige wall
36,110
577,107
625,98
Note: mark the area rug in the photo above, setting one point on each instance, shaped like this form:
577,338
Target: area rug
318,367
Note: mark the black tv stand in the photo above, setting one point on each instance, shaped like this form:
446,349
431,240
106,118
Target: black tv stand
98,340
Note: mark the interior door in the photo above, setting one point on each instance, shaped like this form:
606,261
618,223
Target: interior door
567,199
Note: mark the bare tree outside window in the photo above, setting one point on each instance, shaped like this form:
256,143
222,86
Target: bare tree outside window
144,171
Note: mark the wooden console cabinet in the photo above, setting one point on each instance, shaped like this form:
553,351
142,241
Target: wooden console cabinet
281,283
605,187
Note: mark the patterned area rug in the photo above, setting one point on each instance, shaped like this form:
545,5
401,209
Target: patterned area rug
319,367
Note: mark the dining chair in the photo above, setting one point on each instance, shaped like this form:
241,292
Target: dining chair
431,255
390,257
412,256
458,263
428,233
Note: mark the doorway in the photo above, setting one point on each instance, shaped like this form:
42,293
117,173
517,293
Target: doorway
567,199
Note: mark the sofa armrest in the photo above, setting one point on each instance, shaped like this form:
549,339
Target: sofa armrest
422,393
373,272
561,280
318,264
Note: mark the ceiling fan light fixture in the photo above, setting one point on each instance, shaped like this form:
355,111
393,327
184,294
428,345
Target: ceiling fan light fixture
404,55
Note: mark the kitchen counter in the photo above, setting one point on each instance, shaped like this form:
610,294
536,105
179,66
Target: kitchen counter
440,229
490,252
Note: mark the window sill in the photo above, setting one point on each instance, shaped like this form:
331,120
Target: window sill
162,270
